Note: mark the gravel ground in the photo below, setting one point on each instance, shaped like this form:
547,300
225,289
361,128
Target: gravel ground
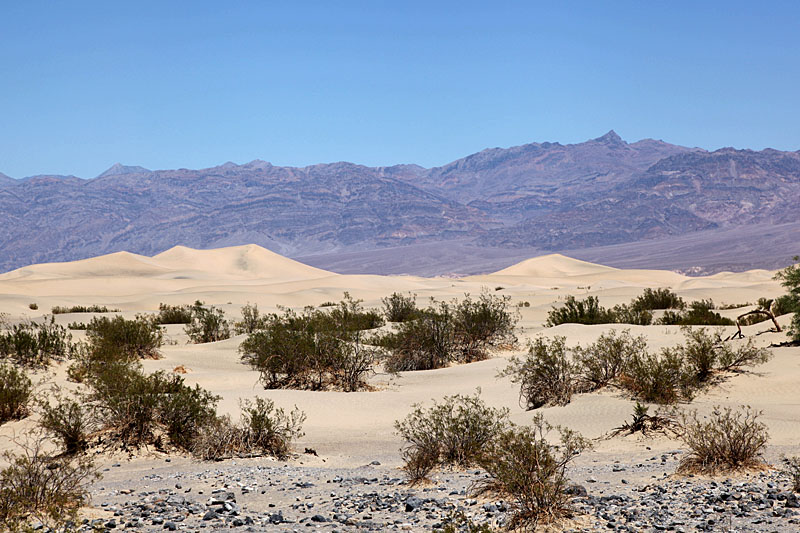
264,495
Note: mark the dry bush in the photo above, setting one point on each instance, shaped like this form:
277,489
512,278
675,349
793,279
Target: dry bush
119,338
208,324
251,321
603,361
726,440
662,379
530,472
451,433
174,314
747,355
662,298
426,343
643,422
135,408
263,430
456,332
35,345
68,422
15,393
546,375
37,487
399,308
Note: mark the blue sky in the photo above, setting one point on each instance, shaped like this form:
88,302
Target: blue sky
195,84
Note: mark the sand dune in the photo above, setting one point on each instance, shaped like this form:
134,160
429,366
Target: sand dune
349,428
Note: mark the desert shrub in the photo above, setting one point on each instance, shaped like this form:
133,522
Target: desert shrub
347,316
307,351
68,422
351,363
726,440
425,343
33,344
626,314
451,433
81,326
57,310
174,314
15,393
208,324
135,406
443,333
525,468
546,375
790,278
120,338
663,379
33,306
481,324
662,298
699,313
574,311
643,422
785,304
399,308
251,321
37,487
603,361
263,430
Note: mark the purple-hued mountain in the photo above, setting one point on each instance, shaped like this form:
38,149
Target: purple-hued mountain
499,202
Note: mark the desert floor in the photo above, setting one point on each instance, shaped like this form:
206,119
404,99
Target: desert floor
350,430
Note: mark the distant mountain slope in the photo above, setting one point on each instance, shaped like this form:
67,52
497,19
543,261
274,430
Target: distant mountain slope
543,196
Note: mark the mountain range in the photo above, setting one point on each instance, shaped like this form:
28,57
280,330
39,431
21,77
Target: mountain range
500,204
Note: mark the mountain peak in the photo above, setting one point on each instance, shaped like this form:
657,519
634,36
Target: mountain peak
610,138
118,169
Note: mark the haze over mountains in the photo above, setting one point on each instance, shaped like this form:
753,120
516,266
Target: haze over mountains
644,204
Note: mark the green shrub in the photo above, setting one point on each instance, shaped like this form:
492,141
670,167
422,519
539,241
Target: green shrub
546,375
68,423
135,406
34,344
726,440
451,433
36,487
251,321
663,379
174,314
460,331
575,311
208,324
119,338
346,317
525,468
263,430
309,351
626,314
603,361
15,393
425,343
790,278
482,324
661,298
699,313
83,309
33,306
399,308
80,326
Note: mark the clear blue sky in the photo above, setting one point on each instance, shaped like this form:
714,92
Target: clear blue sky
195,84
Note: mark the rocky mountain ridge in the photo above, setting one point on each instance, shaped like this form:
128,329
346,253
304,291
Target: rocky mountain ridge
545,196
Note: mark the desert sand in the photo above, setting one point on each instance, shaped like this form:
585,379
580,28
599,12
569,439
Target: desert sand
349,430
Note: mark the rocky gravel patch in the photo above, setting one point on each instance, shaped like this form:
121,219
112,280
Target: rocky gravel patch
373,498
